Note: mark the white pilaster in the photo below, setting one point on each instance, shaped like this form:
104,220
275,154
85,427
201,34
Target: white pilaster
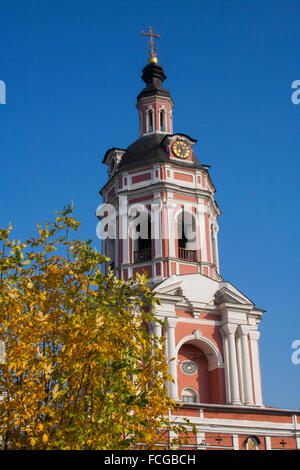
254,337
268,443
123,227
240,366
173,387
235,442
247,383
226,366
230,330
201,211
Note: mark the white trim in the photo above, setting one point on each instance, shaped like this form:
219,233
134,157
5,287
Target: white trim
235,442
237,426
194,393
213,361
268,443
254,439
254,336
147,109
226,364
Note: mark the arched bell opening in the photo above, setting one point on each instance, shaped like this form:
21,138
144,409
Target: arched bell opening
149,120
186,236
200,367
193,372
140,231
110,253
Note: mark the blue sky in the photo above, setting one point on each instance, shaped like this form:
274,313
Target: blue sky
72,71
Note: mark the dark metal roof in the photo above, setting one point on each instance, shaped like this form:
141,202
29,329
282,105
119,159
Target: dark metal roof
111,150
153,76
150,149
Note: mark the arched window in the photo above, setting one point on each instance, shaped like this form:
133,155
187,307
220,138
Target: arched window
162,120
141,224
186,234
144,240
150,121
189,395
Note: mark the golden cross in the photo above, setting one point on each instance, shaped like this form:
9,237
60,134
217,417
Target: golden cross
151,43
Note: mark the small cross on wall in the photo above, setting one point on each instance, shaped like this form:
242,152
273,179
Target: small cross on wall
282,443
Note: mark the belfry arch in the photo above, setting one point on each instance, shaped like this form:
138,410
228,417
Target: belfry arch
207,346
207,369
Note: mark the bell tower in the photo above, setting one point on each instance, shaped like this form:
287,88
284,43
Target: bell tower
165,192
159,215
162,200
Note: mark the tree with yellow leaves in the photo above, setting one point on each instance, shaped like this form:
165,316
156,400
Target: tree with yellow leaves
80,370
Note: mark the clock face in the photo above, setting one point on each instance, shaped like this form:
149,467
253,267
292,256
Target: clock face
181,149
189,367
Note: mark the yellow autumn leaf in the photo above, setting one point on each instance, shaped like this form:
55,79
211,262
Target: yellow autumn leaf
55,391
85,332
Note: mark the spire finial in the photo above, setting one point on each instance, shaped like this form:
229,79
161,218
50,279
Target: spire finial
153,54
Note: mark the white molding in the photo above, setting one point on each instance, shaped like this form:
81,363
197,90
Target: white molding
195,392
199,321
233,426
207,346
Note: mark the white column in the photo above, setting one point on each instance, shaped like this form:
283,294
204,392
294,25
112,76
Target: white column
233,370
156,328
217,247
247,383
240,366
173,388
226,366
254,337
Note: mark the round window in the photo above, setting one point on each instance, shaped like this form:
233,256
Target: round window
189,367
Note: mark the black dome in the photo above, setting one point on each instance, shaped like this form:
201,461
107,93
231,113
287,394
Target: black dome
150,149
